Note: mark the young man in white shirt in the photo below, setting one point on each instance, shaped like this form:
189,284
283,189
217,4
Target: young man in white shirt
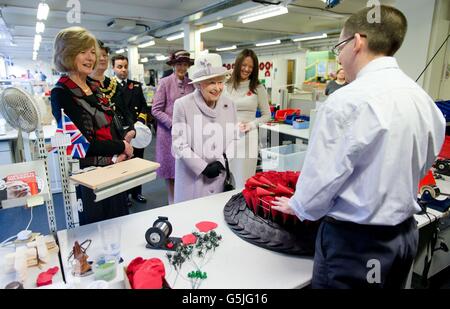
372,142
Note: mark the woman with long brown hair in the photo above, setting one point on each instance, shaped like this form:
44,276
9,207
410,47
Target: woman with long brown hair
248,95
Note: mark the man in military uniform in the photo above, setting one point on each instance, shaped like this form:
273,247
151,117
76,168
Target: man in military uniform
134,99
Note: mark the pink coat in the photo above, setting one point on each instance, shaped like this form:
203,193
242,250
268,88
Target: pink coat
200,135
170,88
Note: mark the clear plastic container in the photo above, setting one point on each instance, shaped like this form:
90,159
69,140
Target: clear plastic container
105,267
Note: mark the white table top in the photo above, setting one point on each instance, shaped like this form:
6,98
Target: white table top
9,135
236,263
287,129
33,272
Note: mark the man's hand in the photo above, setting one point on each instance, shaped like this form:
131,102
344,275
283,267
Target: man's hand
128,149
130,135
281,203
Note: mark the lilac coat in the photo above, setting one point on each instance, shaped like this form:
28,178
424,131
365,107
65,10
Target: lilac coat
170,88
200,135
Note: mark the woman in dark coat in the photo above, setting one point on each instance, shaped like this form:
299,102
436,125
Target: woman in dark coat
76,55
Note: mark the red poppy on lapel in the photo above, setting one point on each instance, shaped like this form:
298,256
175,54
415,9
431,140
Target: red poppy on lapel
249,93
131,86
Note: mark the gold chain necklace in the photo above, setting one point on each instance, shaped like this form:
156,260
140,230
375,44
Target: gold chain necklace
111,89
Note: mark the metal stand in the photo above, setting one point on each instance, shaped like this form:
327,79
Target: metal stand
49,203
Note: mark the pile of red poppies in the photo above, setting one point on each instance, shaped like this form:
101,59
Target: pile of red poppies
261,189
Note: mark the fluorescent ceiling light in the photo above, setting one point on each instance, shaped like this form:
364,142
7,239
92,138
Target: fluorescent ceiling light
38,38
144,45
35,54
43,10
226,48
120,51
175,36
263,14
268,43
143,60
161,58
311,37
212,27
36,46
40,27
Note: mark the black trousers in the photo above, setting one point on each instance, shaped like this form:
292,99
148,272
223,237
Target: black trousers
112,207
350,255
139,153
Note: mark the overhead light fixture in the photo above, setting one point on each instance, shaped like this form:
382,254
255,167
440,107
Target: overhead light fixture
133,38
263,14
120,51
226,48
268,43
176,36
43,10
35,54
40,27
161,58
212,27
147,44
310,37
144,60
37,42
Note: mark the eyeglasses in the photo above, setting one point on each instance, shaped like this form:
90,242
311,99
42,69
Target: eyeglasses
336,50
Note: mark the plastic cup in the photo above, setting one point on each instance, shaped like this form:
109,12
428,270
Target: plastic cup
111,239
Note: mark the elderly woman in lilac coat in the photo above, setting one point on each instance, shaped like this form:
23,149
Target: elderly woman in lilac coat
170,88
204,128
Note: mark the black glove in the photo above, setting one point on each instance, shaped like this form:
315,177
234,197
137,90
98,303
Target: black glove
213,169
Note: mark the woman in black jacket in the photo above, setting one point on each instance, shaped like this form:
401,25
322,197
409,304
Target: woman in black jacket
76,55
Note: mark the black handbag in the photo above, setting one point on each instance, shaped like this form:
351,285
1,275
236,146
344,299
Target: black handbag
228,186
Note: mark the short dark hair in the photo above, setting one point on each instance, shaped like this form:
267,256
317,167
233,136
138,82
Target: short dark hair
384,36
236,76
118,57
102,46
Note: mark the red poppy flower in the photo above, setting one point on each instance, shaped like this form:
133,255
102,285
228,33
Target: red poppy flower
266,181
189,239
131,86
252,183
263,192
46,278
283,190
249,93
206,226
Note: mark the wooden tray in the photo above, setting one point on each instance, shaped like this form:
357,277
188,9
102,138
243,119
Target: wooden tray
103,177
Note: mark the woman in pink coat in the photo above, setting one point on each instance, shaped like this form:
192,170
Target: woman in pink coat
170,88
204,128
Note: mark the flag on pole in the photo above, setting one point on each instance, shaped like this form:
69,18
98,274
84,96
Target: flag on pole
79,144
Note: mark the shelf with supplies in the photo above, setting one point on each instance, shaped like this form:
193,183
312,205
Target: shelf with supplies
23,183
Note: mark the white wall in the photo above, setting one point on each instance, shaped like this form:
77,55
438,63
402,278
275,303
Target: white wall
412,56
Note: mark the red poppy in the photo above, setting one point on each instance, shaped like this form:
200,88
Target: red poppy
283,190
249,93
266,181
189,239
252,182
131,86
206,226
46,278
263,192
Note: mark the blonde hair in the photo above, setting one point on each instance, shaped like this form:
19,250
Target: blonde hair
69,42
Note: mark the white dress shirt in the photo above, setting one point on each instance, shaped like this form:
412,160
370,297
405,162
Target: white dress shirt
372,142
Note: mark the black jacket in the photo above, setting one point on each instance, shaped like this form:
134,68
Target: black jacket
134,100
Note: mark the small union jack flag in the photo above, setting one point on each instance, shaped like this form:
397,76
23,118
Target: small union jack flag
79,144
